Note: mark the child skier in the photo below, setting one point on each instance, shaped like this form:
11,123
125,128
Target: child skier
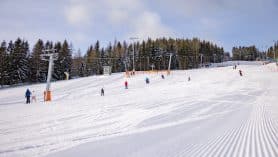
34,99
162,76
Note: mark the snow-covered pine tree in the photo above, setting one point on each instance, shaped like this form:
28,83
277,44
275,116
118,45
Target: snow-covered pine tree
57,70
78,65
67,58
97,61
4,62
64,62
18,65
36,64
89,61
92,61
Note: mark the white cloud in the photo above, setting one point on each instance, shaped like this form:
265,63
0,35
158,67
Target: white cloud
117,16
133,15
77,14
122,12
136,16
148,24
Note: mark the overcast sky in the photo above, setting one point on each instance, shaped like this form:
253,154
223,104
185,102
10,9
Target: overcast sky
226,22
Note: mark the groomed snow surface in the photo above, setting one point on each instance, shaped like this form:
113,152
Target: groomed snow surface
218,113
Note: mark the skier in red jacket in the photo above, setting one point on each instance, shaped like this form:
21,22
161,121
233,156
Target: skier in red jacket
126,85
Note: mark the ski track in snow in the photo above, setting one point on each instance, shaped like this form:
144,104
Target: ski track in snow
79,115
257,136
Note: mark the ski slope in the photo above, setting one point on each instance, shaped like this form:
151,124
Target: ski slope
218,113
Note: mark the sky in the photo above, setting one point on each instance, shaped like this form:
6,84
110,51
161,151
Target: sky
227,23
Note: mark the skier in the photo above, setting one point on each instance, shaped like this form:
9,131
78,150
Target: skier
234,67
240,72
102,92
27,96
126,85
147,80
34,96
44,95
162,76
189,78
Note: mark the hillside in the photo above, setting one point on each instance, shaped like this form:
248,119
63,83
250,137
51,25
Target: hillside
217,113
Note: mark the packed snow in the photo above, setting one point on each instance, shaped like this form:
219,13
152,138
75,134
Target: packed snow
217,113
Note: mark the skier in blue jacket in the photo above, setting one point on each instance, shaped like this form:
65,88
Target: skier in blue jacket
147,80
27,96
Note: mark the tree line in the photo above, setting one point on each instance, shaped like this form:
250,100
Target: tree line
272,52
20,64
251,53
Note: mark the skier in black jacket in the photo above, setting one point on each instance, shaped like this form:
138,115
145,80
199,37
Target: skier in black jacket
102,92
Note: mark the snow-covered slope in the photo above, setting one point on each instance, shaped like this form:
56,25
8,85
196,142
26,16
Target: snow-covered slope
217,113
232,63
